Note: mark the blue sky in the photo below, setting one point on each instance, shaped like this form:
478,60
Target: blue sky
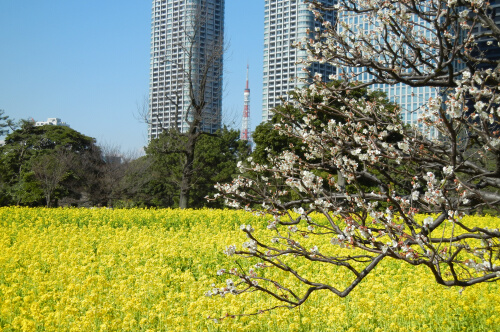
87,62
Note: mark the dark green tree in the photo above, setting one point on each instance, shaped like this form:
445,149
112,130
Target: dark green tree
6,123
215,160
268,141
33,170
271,141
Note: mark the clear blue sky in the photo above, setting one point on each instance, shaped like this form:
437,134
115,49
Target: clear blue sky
87,62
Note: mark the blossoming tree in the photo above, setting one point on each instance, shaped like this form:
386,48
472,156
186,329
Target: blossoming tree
416,43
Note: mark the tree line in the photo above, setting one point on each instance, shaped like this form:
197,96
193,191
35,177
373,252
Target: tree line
58,166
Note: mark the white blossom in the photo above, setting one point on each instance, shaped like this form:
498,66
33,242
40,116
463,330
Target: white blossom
448,170
251,245
230,250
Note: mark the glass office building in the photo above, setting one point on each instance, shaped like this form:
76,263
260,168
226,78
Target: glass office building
286,22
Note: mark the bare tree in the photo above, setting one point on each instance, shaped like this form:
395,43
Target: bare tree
366,172
50,170
123,175
197,112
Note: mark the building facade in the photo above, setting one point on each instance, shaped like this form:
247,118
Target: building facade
411,99
287,22
52,122
186,46
487,47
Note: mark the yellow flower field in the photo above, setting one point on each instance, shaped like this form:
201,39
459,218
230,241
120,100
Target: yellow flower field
148,270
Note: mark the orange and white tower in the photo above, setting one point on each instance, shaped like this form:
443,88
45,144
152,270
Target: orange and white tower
245,134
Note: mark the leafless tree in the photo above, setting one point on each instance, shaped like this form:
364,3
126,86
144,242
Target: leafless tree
113,171
50,170
199,62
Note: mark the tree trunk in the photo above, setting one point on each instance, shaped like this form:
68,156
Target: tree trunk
187,174
47,198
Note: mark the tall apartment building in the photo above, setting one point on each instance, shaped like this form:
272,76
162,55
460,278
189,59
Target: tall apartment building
413,100
286,22
186,39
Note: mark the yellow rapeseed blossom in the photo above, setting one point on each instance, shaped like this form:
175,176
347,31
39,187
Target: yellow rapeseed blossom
148,270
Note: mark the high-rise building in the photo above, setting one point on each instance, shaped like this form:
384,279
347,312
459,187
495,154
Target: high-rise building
186,42
286,22
413,100
487,46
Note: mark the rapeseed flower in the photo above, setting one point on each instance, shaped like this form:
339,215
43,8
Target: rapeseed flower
140,270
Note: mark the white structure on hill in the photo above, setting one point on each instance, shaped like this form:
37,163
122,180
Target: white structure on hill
52,122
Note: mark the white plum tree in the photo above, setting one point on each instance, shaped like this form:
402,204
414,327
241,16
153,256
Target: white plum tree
365,177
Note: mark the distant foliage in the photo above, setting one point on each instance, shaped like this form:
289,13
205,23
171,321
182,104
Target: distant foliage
41,165
6,124
215,160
